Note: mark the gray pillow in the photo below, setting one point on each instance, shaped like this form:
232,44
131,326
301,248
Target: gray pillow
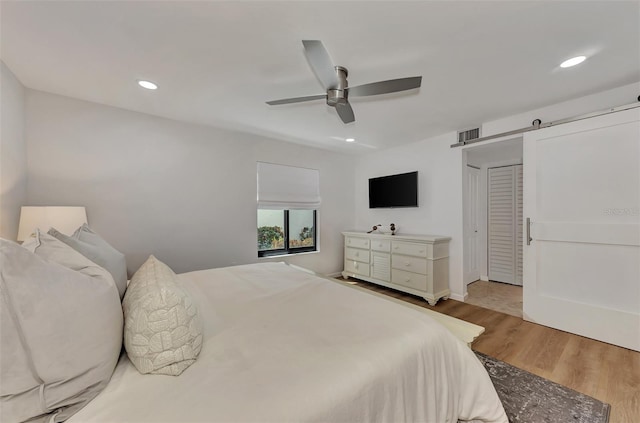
60,333
96,249
162,328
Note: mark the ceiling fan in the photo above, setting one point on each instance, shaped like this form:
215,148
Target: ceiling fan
334,80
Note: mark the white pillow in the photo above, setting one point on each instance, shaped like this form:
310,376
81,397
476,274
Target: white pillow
61,330
162,328
54,250
95,248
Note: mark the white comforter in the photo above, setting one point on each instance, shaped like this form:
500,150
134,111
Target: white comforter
283,345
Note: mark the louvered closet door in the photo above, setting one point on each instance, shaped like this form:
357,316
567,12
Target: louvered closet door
505,224
519,225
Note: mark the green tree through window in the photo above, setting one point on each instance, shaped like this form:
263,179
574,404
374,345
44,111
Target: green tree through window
286,231
269,237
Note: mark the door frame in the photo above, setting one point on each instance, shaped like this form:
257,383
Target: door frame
506,140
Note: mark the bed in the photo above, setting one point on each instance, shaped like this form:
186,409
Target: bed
283,345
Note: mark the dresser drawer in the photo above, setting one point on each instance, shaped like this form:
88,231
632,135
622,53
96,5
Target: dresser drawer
353,241
409,279
351,266
409,263
357,254
383,245
410,248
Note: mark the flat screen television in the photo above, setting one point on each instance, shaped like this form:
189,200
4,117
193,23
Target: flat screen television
394,191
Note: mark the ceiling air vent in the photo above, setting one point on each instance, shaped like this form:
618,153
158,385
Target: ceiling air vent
468,135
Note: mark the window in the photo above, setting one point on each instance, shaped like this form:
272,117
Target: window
288,198
286,232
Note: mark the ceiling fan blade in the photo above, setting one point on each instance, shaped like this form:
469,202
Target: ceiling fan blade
321,63
297,99
345,112
384,87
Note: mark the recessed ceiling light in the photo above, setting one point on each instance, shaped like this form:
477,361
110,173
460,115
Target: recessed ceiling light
350,139
148,85
572,62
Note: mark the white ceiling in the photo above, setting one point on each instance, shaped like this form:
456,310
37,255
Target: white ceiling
218,62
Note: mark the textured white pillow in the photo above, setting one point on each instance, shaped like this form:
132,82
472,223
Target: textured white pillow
162,328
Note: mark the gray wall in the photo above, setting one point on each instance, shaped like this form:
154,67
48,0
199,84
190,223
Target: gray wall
13,153
182,192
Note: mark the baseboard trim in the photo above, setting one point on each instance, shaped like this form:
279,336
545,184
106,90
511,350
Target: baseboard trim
484,278
459,297
333,275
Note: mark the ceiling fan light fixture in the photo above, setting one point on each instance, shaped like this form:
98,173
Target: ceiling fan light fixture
147,84
573,61
349,139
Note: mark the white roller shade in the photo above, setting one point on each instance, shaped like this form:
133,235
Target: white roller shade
287,187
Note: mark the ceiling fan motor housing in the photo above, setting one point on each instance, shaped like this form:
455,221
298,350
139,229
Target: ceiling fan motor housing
339,94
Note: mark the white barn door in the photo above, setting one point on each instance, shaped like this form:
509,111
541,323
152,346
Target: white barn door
582,194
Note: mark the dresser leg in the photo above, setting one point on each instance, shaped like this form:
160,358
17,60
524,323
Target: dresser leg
431,302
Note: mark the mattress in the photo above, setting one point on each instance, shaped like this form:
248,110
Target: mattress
282,345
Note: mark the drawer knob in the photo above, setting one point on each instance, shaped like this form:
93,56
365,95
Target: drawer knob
406,263
421,251
408,280
355,264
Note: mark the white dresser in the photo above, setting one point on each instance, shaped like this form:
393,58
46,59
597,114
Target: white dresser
417,264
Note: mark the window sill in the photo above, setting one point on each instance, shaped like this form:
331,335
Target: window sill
288,255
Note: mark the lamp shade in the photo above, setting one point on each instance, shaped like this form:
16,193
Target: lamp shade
64,219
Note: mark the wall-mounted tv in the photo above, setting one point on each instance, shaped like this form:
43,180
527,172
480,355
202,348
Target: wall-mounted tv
394,191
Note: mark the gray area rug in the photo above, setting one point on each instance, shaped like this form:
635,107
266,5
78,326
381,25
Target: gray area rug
528,398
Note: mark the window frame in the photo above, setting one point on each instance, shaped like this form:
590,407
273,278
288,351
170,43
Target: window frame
293,250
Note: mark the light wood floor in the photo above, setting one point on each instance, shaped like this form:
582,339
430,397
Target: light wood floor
603,371
496,296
